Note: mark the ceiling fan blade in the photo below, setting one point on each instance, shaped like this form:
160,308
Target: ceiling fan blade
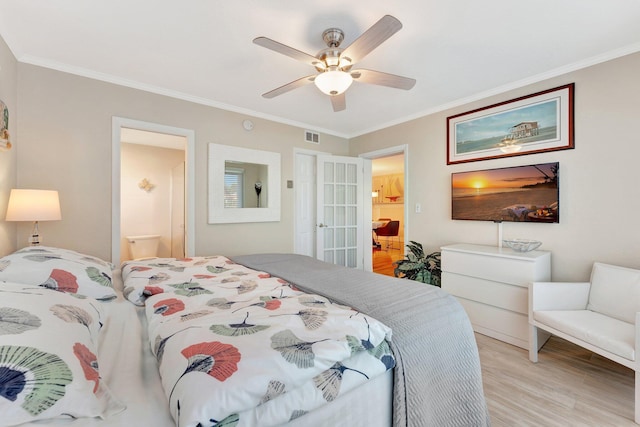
289,86
383,79
289,51
372,38
339,102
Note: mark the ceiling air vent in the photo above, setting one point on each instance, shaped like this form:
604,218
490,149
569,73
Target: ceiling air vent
311,137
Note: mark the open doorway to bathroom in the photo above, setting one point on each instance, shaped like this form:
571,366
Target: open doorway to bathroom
153,191
152,194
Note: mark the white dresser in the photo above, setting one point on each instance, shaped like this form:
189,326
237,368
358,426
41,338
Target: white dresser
491,283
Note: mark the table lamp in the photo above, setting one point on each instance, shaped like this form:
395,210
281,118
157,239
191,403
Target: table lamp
33,205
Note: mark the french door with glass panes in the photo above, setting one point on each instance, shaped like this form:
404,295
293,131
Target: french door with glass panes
340,209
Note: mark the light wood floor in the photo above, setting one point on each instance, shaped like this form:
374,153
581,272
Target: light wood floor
383,260
569,386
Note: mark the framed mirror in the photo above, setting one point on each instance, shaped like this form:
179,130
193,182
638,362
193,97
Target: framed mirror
244,185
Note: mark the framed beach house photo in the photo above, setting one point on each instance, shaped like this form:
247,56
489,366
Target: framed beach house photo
530,124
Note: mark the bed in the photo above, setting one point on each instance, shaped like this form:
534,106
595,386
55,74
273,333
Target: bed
367,369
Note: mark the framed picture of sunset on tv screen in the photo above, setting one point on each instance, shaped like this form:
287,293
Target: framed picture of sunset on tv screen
518,194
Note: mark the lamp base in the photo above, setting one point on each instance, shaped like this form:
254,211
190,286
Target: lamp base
34,239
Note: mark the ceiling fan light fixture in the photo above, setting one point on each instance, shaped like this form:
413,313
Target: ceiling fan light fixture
344,62
333,82
332,61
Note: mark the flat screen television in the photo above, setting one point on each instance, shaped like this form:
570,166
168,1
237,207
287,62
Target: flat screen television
520,194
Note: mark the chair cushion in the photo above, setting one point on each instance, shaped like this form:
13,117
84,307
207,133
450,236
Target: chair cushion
615,291
611,335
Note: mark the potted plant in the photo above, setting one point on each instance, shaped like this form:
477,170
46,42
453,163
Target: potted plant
418,266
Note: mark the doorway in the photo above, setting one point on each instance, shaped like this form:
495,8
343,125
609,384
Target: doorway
388,207
174,190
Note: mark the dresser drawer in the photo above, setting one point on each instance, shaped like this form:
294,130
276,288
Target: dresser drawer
495,322
506,269
496,294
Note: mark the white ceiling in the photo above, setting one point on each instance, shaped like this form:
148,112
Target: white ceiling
202,50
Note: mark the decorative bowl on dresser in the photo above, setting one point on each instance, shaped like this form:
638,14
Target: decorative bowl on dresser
522,245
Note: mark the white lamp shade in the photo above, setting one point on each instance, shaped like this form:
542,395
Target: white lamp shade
333,82
33,205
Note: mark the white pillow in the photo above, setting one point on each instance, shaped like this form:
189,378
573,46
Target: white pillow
615,292
63,270
48,363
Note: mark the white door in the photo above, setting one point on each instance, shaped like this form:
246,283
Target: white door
341,212
305,200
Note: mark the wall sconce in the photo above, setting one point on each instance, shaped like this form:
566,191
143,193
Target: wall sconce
146,185
33,205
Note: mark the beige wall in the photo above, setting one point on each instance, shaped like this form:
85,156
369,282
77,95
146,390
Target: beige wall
65,144
599,195
146,212
8,168
65,123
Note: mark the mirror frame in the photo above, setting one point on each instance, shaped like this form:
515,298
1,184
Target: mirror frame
218,156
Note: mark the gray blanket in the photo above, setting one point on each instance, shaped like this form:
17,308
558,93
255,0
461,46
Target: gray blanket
437,379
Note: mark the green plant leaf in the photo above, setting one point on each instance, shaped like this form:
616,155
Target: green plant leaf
423,276
409,266
418,266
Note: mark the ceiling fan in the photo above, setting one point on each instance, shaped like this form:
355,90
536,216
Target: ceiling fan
334,64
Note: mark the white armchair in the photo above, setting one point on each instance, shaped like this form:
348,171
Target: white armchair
602,315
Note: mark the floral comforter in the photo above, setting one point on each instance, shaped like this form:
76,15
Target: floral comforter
237,347
48,356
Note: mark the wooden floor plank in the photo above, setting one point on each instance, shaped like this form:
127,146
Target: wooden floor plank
569,386
383,260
